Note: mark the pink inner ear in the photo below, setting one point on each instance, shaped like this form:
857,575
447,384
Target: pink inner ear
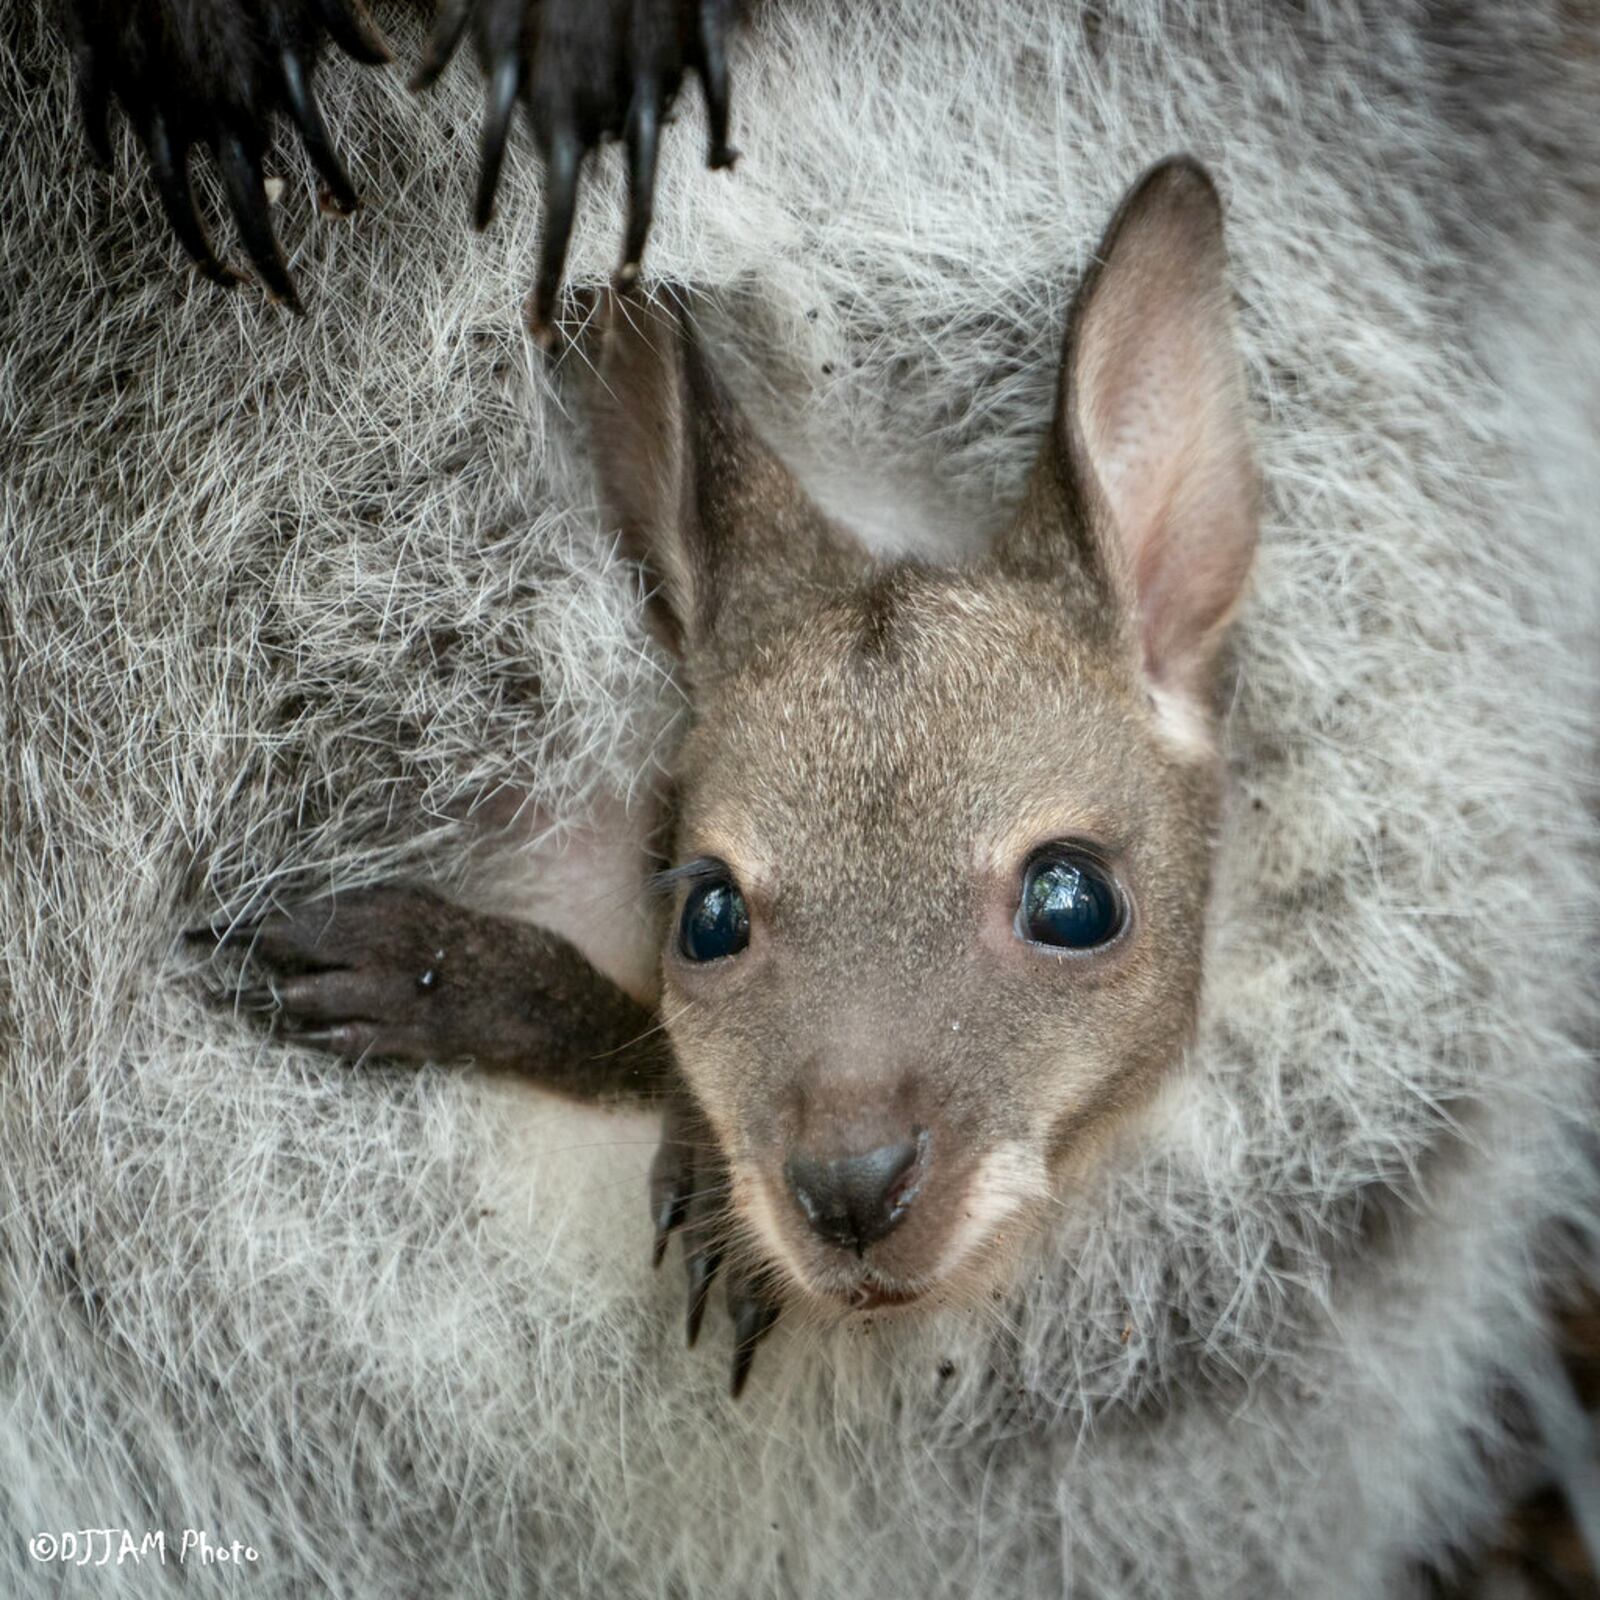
1189,591
1159,401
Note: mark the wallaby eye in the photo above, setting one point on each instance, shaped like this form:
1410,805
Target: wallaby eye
1069,901
715,923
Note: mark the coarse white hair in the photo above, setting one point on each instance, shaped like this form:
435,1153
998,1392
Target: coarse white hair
285,605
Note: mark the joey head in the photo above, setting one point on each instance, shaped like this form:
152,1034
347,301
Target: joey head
941,837
938,839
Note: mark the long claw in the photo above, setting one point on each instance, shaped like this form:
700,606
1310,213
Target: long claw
171,169
257,1000
701,1265
561,199
241,173
671,1184
711,51
218,934
94,99
308,116
322,1038
753,1316
643,136
447,33
354,31
354,1041
668,1208
502,101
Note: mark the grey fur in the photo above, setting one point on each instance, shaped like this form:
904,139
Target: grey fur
279,602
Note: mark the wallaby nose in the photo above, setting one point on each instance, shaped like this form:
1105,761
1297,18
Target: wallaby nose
856,1199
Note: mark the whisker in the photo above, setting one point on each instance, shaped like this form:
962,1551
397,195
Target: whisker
658,1026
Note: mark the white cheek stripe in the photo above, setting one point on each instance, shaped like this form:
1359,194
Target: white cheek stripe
764,1221
1008,1177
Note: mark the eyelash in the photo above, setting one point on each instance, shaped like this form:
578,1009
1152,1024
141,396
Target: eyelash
700,870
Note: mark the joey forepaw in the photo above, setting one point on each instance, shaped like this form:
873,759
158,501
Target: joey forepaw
385,971
398,971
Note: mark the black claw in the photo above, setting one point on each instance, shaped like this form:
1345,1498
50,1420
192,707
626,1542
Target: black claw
94,99
669,1212
561,198
701,1266
257,1000
669,1207
502,101
447,33
241,173
320,1037
711,57
171,169
223,934
753,1318
643,136
354,31
308,115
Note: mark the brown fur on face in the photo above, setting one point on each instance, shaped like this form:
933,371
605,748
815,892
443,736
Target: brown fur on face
878,750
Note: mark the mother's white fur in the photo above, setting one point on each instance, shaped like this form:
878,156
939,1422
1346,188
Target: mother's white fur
279,601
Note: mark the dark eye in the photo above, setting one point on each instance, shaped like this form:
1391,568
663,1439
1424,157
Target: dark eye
716,922
1068,901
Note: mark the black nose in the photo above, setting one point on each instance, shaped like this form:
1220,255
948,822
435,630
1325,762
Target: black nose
854,1200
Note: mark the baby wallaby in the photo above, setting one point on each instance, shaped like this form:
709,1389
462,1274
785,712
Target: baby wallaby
938,839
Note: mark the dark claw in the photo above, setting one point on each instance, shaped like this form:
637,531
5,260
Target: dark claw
561,197
447,33
257,1000
94,98
753,1316
355,1041
321,1038
501,102
171,169
241,173
354,31
711,50
669,1212
308,115
701,1264
671,1185
643,137
230,934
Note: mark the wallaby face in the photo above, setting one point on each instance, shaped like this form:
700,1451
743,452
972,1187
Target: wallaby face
941,838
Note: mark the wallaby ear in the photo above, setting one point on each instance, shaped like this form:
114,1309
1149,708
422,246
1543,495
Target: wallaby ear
1149,479
720,525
